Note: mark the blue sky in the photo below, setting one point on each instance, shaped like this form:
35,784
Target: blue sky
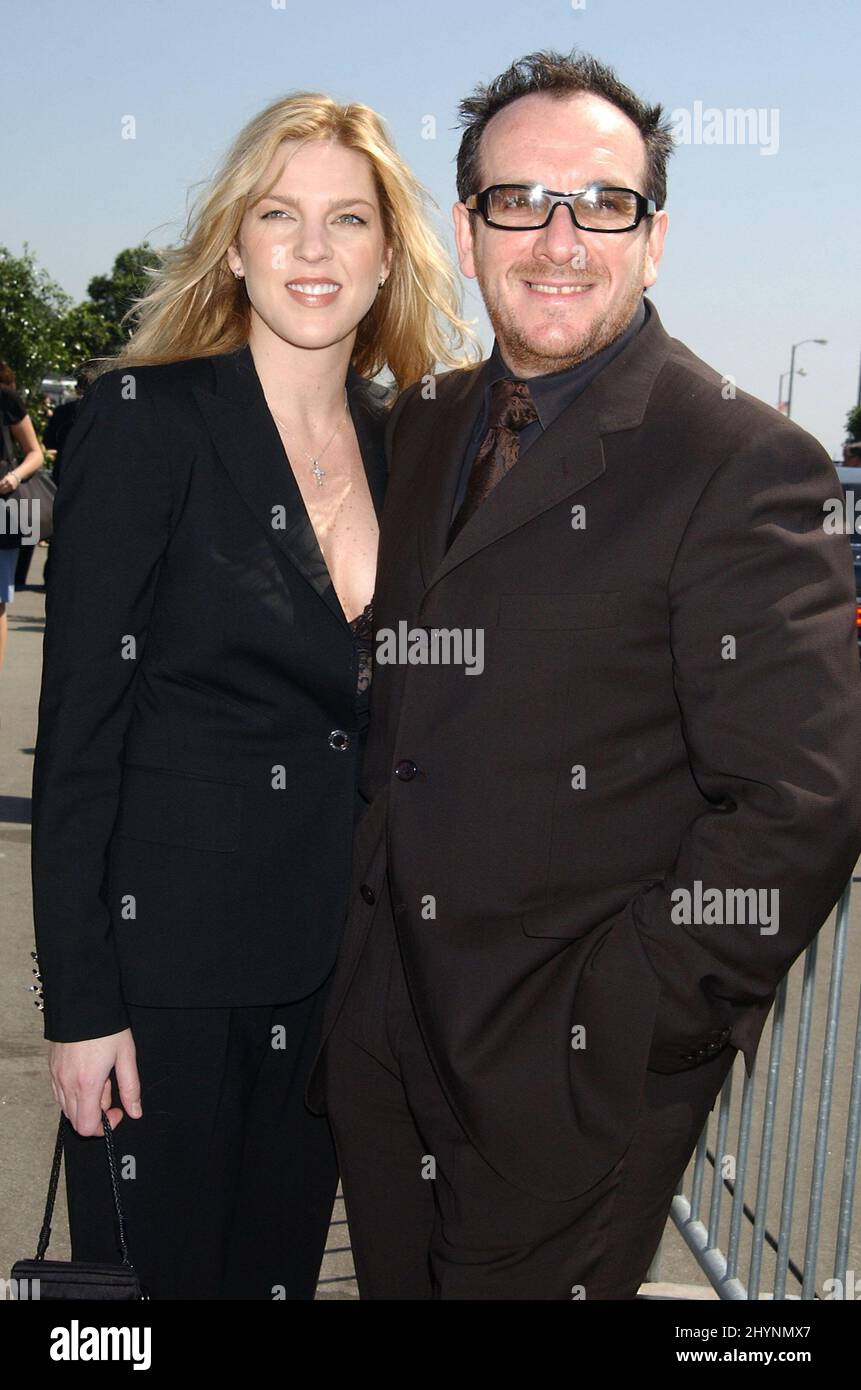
762,250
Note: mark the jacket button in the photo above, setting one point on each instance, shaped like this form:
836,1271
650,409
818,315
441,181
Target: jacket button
368,894
339,740
406,770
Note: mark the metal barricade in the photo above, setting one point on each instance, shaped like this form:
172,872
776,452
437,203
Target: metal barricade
815,1131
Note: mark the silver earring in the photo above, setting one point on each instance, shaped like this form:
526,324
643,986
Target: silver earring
238,274
382,281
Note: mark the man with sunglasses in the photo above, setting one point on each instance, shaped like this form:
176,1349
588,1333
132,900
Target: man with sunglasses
585,869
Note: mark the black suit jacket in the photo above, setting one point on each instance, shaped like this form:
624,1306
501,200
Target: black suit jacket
192,808
670,695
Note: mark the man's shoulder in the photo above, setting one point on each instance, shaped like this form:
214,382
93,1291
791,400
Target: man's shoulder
451,384
708,404
447,387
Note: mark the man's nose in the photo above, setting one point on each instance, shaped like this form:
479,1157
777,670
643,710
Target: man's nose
560,240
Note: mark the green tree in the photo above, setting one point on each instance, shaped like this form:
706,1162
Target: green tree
44,333
85,335
853,424
111,296
32,307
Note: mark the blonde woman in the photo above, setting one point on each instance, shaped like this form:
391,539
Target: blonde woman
206,664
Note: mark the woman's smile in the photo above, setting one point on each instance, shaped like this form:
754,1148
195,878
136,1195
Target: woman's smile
313,293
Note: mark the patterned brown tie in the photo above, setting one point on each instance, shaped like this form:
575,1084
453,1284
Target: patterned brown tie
511,410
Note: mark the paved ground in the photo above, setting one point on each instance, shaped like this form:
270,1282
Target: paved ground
28,1114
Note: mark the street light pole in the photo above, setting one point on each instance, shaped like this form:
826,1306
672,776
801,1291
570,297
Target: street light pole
822,342
781,380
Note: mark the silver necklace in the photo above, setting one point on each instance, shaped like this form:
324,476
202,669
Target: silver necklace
314,460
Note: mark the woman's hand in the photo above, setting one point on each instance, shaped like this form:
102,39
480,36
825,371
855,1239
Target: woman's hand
9,482
80,1079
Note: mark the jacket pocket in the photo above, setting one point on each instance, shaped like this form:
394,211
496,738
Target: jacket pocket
556,921
548,611
179,808
216,696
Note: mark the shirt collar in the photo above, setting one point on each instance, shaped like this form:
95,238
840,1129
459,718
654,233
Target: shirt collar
553,391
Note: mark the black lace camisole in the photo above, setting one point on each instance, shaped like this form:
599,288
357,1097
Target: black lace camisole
363,633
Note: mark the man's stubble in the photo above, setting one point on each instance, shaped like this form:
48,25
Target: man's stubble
524,356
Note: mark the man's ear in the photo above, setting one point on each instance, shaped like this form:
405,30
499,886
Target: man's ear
655,247
463,235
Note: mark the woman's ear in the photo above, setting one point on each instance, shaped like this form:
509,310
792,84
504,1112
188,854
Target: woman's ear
234,260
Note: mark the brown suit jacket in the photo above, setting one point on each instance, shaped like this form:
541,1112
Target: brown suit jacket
669,698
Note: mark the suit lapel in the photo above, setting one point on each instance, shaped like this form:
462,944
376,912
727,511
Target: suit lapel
443,443
249,446
564,459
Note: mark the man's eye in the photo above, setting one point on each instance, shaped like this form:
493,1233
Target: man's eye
606,201
516,200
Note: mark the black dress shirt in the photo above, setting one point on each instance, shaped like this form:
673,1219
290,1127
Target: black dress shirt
552,393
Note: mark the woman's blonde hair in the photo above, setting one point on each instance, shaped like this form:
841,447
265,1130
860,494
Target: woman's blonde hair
196,307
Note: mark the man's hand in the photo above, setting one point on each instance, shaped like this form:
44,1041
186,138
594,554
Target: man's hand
80,1079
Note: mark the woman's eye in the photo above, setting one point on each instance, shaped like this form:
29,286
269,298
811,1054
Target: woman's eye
352,219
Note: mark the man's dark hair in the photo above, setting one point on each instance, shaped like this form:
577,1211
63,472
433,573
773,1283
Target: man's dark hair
556,74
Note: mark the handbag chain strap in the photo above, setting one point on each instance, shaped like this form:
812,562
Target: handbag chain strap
45,1233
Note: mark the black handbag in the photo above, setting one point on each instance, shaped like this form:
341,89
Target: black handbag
76,1279
39,487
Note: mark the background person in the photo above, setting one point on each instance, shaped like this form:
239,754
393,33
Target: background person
16,427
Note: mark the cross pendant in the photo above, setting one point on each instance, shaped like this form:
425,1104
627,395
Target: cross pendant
318,472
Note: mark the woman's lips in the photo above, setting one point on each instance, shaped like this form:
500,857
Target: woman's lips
313,293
